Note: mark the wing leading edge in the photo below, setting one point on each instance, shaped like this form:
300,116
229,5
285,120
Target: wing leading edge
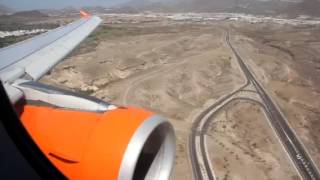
34,57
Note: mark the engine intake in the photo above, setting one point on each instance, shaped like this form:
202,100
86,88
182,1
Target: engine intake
150,153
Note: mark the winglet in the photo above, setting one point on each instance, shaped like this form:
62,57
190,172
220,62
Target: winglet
84,14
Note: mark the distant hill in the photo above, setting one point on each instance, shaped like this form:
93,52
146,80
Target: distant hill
262,7
73,11
4,10
8,22
308,7
29,14
67,11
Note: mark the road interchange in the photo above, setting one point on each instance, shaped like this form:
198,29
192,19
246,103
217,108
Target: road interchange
201,165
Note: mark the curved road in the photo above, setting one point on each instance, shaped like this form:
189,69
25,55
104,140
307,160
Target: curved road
294,147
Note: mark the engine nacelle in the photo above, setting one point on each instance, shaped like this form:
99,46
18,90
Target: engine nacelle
118,143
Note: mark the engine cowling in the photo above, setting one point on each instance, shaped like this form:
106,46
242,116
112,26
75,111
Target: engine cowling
86,138
124,143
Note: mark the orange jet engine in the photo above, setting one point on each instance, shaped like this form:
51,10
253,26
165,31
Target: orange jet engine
86,138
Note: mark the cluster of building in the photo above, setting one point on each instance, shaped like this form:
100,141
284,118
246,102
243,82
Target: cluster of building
4,34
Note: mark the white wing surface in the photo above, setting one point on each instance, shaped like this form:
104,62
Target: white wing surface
33,58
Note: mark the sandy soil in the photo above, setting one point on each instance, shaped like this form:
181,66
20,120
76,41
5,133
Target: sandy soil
175,69
288,65
243,145
170,69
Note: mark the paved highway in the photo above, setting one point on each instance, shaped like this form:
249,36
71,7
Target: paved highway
298,154
198,157
202,171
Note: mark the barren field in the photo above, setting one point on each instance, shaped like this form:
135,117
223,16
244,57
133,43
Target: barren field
177,69
287,62
243,146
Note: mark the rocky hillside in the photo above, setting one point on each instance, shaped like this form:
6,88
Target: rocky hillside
5,10
261,7
29,14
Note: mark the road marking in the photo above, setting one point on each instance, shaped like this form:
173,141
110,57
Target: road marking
200,159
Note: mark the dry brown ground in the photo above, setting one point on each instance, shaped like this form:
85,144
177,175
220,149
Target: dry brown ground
286,59
243,145
175,69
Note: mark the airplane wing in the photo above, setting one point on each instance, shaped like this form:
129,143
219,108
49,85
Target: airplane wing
33,58
83,137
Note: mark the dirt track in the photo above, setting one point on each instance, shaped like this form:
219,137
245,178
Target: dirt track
177,69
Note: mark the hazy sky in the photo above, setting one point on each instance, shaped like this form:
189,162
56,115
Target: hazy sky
43,4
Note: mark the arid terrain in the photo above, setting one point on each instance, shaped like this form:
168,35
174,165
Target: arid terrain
244,146
288,65
179,68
